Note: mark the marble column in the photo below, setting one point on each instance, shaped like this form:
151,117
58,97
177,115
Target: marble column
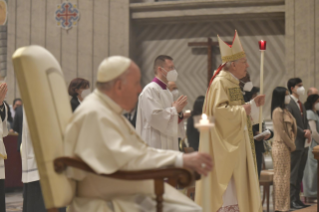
302,41
119,27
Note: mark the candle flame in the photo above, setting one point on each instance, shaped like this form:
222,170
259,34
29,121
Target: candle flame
204,116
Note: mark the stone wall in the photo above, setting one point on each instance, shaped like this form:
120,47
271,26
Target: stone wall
3,51
103,30
302,41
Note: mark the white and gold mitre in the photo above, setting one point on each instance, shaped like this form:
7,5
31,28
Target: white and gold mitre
231,52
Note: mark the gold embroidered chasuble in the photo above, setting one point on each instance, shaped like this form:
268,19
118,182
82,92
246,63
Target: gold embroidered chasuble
231,146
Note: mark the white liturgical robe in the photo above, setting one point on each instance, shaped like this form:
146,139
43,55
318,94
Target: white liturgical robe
99,135
3,153
157,121
29,165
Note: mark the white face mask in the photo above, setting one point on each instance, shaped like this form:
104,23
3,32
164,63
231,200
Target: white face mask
287,99
175,94
85,93
248,86
171,75
301,91
317,106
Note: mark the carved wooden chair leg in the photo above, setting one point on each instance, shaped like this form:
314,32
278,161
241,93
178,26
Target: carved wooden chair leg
159,191
264,195
268,194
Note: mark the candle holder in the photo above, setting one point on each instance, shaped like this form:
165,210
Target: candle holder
204,122
262,45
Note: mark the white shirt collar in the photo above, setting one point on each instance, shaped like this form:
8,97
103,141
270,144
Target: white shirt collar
294,98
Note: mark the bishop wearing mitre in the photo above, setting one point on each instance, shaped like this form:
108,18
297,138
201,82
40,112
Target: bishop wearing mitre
234,180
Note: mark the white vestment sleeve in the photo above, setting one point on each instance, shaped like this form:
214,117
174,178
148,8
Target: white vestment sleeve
155,158
179,161
314,133
162,119
116,147
254,114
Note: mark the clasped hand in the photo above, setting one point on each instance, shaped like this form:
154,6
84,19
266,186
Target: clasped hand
307,135
3,92
180,103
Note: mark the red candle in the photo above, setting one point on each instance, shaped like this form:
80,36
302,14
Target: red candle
262,45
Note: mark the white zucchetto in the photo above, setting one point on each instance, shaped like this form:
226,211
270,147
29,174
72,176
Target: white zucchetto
112,67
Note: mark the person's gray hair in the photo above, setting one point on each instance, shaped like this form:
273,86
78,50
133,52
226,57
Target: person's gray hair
228,64
106,86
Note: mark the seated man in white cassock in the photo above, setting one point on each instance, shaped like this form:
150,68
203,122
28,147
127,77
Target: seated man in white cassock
100,135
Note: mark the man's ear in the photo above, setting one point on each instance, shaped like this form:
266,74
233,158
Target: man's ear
232,65
118,85
158,69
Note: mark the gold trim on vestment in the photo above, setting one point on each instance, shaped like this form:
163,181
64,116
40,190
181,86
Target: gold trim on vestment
233,57
4,157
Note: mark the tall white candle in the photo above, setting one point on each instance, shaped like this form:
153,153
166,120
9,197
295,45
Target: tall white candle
261,88
204,127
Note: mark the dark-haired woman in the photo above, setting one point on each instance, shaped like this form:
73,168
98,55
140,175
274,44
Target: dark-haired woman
192,133
285,130
76,87
311,173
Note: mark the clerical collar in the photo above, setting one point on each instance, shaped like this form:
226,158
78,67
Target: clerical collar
160,83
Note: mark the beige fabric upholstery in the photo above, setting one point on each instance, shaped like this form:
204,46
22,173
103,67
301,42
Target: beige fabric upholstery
266,176
47,107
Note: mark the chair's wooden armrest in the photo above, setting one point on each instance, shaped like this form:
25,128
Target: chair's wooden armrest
183,177
316,152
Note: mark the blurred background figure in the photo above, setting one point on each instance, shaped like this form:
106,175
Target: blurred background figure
312,91
16,103
131,116
285,129
3,154
311,172
18,125
192,133
259,142
78,90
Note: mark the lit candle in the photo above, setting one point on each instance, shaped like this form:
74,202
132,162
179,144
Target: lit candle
204,119
262,45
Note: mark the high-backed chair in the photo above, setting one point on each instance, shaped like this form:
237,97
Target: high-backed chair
47,107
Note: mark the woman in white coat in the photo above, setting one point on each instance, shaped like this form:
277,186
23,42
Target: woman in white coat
3,154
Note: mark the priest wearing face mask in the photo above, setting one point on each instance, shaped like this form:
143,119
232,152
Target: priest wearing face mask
160,118
298,157
234,183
